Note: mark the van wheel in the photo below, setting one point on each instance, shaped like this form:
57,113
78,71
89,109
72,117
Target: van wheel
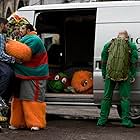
134,112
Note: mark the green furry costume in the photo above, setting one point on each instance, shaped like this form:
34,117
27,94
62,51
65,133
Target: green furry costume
59,83
124,88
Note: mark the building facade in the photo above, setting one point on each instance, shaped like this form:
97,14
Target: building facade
7,7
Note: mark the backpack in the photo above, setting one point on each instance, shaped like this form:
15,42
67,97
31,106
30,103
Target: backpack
118,62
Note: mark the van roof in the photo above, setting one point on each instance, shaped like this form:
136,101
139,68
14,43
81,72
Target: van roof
80,5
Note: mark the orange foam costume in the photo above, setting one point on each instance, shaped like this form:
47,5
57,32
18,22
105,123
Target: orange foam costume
24,113
27,115
82,82
18,50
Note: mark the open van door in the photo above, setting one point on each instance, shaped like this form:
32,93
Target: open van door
73,49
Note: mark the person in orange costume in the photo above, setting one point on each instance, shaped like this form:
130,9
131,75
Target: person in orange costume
28,109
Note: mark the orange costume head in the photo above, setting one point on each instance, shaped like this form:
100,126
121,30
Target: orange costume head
82,82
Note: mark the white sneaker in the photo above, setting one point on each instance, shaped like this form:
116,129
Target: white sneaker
12,127
34,128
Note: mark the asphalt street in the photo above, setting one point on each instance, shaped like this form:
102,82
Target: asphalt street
64,126
65,129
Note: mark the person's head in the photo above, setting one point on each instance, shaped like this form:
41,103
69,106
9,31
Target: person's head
123,34
16,29
3,25
26,29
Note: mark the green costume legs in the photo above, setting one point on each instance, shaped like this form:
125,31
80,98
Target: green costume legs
106,102
124,89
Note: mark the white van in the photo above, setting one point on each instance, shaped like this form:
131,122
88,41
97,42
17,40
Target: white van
83,29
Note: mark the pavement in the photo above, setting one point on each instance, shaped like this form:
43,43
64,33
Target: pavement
79,112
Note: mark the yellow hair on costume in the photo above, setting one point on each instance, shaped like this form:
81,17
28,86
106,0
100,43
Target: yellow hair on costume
18,50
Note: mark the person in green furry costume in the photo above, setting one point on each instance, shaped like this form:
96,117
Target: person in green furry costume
124,85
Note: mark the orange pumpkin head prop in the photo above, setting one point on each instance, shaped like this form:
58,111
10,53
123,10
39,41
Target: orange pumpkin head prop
18,50
82,82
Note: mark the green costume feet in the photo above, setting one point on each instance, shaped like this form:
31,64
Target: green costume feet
128,124
101,122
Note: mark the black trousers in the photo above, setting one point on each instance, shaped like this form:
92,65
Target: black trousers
7,78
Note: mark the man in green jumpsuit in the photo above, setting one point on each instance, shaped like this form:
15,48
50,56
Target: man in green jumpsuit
124,86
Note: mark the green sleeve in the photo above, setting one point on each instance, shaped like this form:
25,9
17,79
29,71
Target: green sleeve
133,59
104,57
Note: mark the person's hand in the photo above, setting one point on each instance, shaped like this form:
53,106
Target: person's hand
132,80
8,39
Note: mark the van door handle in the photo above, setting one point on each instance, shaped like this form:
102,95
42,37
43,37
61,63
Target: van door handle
98,65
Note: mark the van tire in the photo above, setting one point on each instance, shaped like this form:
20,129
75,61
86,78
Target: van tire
134,112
